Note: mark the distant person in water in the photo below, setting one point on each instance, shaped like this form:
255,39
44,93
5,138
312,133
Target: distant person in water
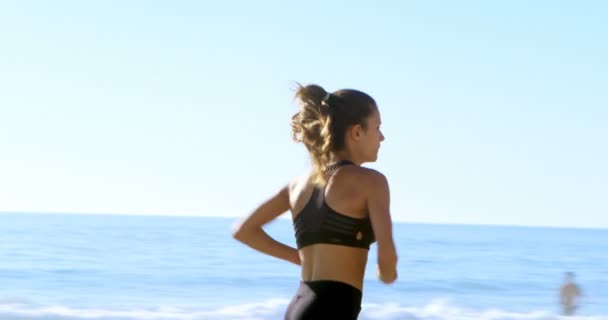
569,294
338,209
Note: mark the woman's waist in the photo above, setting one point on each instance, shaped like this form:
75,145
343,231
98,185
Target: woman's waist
352,276
331,262
334,288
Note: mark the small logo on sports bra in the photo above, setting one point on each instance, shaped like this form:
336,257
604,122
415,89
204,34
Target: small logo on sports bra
359,235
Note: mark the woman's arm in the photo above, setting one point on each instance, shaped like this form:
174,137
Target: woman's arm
251,233
378,203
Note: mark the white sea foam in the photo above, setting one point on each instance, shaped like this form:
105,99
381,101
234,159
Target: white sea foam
271,309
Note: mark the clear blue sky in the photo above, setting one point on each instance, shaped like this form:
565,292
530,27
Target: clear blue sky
494,112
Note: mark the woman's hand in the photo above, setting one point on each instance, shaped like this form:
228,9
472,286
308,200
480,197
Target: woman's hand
386,278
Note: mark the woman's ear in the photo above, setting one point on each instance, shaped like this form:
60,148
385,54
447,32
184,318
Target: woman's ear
356,131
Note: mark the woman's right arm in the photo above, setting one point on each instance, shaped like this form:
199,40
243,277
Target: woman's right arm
250,231
378,204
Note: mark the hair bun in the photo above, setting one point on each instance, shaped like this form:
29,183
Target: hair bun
311,94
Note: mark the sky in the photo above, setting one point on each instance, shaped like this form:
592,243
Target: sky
494,112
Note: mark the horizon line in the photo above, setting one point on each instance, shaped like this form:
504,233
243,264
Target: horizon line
283,217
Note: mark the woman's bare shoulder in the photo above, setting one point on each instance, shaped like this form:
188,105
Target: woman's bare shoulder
363,174
300,181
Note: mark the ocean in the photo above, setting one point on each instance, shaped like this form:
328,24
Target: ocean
68,266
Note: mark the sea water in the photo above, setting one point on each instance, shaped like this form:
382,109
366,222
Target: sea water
67,266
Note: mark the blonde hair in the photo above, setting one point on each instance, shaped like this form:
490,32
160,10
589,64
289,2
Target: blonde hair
311,126
323,119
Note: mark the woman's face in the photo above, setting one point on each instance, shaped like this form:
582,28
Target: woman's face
371,137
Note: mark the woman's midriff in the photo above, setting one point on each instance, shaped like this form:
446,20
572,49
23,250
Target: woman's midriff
334,262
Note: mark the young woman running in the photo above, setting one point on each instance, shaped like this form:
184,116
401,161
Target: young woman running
338,209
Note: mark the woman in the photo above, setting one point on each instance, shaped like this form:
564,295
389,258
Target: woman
338,210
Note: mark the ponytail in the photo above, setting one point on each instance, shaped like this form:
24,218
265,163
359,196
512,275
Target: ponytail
312,126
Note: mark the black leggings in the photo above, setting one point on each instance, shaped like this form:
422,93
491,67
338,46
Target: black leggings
325,299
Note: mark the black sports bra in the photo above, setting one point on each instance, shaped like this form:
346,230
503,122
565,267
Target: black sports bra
318,223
